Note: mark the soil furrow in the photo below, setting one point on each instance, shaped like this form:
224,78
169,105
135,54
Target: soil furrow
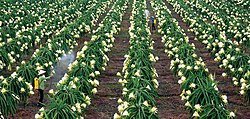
169,103
104,103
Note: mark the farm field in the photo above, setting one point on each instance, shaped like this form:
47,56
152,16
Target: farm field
104,60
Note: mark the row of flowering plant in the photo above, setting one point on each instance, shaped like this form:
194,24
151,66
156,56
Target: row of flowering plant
233,28
15,48
75,89
19,83
199,89
138,76
235,62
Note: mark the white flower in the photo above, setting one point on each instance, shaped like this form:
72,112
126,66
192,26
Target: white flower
146,103
220,44
120,108
156,58
73,86
84,48
37,116
192,85
183,79
92,75
83,105
42,109
137,73
197,107
187,104
92,62
156,83
240,69
20,79
118,74
194,55
41,72
234,79
232,114
51,91
242,80
148,87
119,101
73,108
224,98
133,65
196,114
5,82
188,92
31,92
125,113
22,90
224,74
153,110
117,116
125,89
97,73
242,92
96,83
189,67
131,95
236,83
76,79
94,91
78,107
196,67
76,36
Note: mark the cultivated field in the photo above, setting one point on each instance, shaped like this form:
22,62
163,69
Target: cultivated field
105,61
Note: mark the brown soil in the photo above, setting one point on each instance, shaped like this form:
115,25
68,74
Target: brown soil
104,103
169,103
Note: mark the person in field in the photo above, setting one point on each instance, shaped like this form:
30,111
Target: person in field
39,85
153,21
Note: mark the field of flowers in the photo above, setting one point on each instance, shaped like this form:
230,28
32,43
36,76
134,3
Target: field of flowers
196,64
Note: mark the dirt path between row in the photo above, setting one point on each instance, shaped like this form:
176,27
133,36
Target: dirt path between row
104,103
169,103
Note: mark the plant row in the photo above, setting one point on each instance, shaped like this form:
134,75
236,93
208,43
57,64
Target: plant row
231,58
13,50
19,83
233,28
75,89
199,89
138,76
